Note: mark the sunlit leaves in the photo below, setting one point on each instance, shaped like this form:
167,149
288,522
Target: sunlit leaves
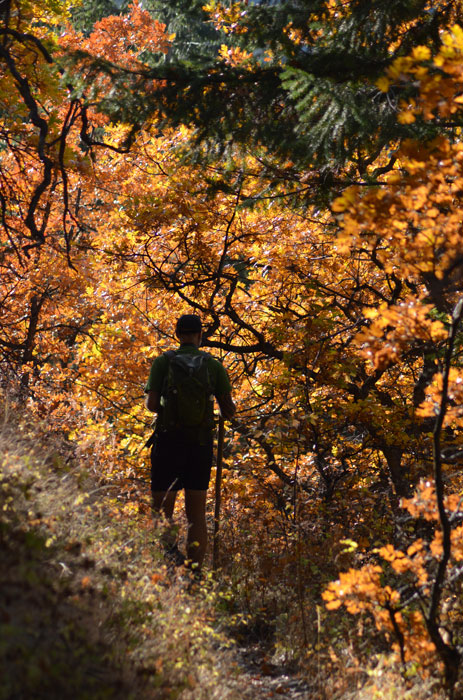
121,39
333,324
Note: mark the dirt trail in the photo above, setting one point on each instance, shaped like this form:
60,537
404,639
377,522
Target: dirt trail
262,679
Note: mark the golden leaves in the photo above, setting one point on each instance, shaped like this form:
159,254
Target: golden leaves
393,329
431,405
383,83
346,200
234,56
164,236
227,18
355,589
438,96
363,590
412,562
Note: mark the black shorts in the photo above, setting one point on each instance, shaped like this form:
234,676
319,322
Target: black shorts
179,465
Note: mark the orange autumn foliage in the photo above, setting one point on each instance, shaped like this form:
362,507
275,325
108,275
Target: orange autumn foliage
120,39
333,326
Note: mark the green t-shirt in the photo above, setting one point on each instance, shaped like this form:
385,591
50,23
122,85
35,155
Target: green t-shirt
217,372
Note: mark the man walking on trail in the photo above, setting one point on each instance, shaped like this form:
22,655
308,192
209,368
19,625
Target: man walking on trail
181,388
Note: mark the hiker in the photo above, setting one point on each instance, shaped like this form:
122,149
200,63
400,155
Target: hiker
182,443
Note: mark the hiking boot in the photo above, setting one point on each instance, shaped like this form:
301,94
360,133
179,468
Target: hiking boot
174,556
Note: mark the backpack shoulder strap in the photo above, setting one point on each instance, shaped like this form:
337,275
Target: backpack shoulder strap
169,355
206,356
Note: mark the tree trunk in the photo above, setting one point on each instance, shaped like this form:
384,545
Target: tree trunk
393,457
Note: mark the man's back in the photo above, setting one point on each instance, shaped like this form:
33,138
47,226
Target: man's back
185,463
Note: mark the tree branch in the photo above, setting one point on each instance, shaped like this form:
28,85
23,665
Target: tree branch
448,653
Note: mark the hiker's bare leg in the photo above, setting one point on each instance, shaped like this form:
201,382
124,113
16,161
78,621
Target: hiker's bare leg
195,508
163,503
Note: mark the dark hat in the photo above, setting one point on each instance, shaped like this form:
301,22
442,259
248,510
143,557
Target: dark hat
188,323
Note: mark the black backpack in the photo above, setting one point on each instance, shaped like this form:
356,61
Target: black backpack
187,400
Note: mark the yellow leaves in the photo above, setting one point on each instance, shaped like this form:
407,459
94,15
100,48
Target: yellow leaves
400,68
392,178
226,18
38,16
399,225
457,542
394,328
234,56
415,548
431,405
383,84
454,38
90,351
413,561
418,197
346,200
149,221
423,503
407,113
357,590
51,13
269,56
421,53
416,220
438,89
350,545
364,590
293,34
81,498
390,554
436,547
332,599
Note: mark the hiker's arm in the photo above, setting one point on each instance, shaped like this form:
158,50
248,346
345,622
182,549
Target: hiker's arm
153,401
153,387
226,405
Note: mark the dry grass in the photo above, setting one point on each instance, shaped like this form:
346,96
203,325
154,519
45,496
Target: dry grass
89,608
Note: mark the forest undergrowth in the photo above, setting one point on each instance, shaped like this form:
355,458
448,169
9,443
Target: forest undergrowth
313,219
91,610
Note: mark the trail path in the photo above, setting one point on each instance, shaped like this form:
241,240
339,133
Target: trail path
262,679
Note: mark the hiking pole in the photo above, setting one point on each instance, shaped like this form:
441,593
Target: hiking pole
218,484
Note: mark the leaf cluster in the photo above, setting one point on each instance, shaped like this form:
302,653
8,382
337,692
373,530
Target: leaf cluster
309,94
